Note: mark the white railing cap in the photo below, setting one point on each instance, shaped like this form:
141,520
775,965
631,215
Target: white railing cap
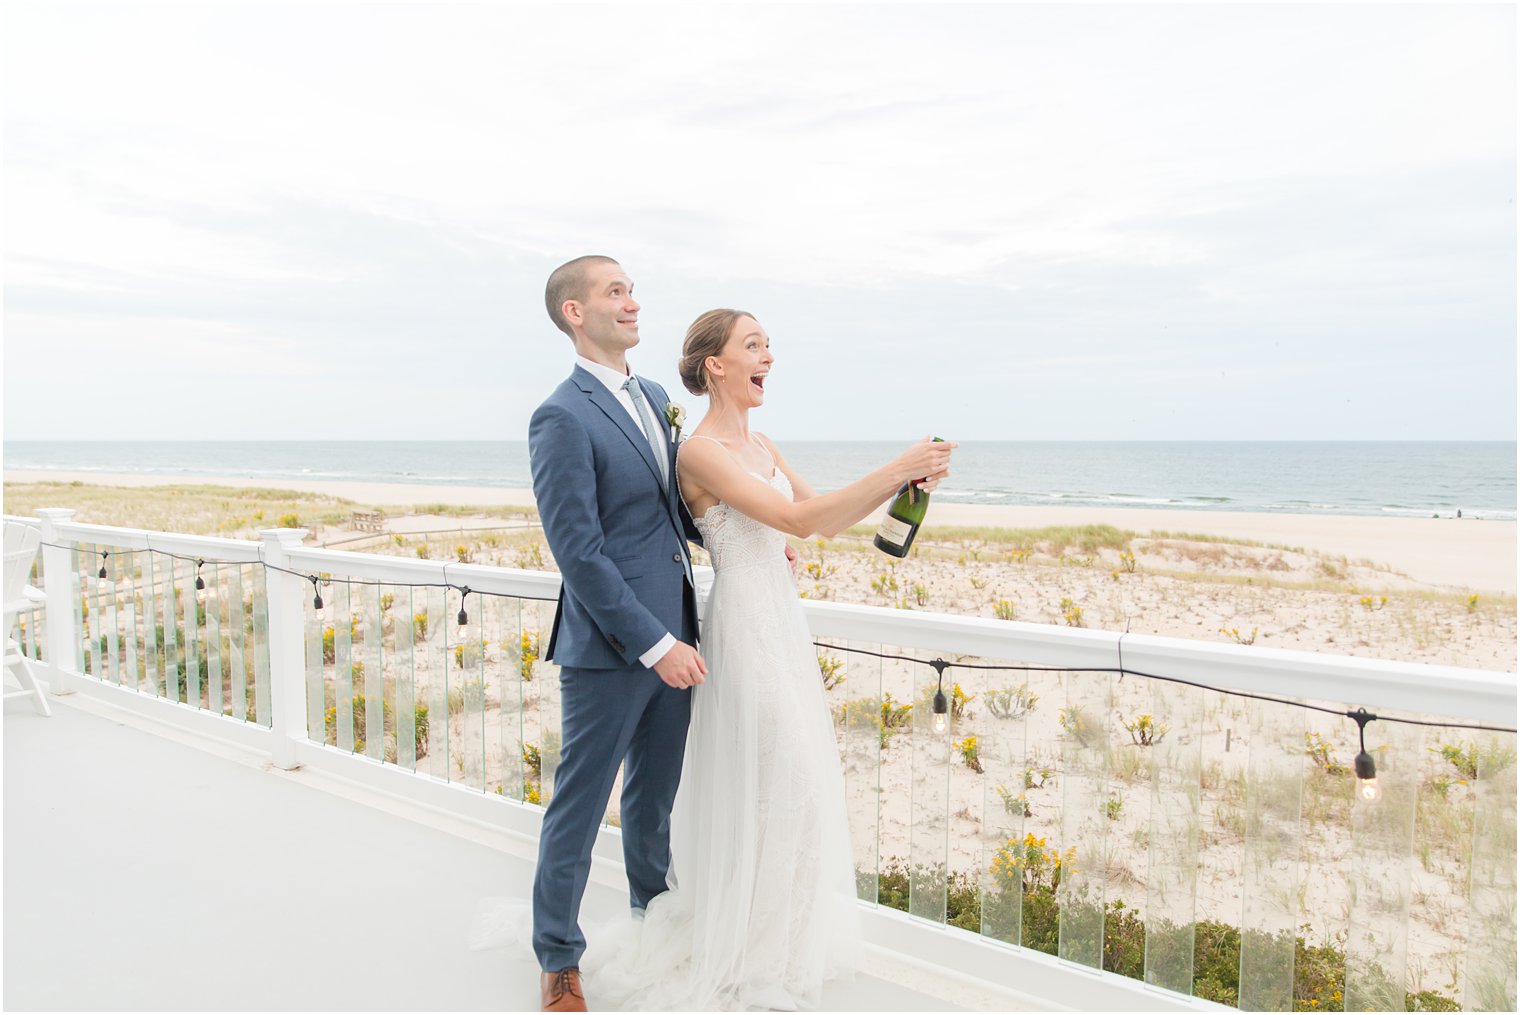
502,581
237,551
1484,696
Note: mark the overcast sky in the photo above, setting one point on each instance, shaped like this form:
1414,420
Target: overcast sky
996,222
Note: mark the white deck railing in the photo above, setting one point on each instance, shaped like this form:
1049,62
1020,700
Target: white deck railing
1070,820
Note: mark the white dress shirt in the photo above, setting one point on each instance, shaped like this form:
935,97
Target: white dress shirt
614,381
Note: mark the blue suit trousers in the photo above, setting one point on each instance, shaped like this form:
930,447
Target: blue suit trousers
610,716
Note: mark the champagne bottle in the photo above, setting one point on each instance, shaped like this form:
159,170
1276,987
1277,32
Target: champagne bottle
904,516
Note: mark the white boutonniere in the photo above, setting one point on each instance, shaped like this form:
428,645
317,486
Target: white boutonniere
675,415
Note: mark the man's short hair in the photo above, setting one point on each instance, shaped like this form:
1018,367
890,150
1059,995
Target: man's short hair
569,282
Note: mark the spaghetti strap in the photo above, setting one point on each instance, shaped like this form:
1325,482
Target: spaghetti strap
764,447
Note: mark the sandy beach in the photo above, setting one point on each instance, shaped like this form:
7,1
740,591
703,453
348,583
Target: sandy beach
1475,555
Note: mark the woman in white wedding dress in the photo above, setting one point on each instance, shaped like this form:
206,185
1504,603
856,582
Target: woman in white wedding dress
762,906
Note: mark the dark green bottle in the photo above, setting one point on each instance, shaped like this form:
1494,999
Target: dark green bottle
904,516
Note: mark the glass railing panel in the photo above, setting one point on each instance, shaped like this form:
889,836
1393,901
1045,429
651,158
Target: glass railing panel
541,705
1225,733
368,670
1003,702
191,608
131,652
1175,749
468,655
895,821
162,613
411,723
78,583
100,646
1126,811
431,660
852,686
316,684
149,577
260,581
341,629
520,705
1489,980
82,580
238,609
102,606
501,633
1085,761
1270,874
105,611
168,620
929,794
216,667
88,607
1045,782
1443,840
1328,839
213,640
106,596
111,640
1379,875
121,594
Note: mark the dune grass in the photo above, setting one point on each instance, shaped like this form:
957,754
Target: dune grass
201,509
1051,538
195,509
1203,537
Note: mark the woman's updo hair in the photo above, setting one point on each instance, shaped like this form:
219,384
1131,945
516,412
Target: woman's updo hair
706,337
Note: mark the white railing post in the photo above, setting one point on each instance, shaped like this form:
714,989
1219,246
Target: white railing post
287,651
59,581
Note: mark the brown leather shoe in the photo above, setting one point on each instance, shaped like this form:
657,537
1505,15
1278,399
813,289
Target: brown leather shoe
562,990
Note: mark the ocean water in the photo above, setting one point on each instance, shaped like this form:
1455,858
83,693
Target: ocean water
1377,478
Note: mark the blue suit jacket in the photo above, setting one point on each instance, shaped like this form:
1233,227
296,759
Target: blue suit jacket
619,537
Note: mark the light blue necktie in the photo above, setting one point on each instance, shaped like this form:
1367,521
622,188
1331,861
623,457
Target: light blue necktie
652,432
650,426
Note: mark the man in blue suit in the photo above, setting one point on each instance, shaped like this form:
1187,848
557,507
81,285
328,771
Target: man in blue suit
603,456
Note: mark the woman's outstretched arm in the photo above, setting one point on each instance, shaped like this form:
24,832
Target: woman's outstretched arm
710,466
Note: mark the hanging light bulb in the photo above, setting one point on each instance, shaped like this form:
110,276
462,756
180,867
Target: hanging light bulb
1366,769
201,592
464,617
1367,788
105,584
941,706
316,601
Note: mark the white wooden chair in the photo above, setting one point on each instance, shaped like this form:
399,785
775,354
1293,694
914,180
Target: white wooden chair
20,550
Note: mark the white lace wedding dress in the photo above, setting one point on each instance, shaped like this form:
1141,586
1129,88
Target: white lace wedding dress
761,909
762,905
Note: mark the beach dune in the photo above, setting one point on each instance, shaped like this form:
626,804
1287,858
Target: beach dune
1477,556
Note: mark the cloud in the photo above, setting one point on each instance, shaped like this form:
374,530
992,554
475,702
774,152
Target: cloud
1009,221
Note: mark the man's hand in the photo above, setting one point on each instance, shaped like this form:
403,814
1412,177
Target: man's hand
791,559
681,667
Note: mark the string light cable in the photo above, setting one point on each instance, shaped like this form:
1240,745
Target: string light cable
304,575
1365,766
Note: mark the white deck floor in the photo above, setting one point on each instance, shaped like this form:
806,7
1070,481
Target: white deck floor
147,868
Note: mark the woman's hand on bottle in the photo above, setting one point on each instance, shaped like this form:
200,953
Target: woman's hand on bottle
926,459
